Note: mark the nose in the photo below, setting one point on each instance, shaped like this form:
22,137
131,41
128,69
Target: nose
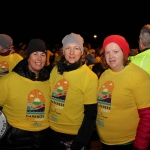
111,55
71,51
39,57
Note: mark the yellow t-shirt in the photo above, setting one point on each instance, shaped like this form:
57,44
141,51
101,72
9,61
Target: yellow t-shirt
120,94
25,102
70,92
7,63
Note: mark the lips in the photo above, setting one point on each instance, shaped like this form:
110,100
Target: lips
38,63
112,61
72,57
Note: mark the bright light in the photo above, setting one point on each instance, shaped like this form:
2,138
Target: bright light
95,36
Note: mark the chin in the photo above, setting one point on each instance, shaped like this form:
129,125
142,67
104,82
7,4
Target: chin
39,68
71,62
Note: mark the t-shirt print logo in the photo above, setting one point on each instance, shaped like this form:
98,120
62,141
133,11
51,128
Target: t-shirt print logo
36,102
105,92
4,68
35,107
104,101
59,92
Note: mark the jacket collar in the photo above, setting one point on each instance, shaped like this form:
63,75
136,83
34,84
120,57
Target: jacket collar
145,49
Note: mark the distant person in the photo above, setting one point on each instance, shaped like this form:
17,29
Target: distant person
90,60
83,57
58,54
133,52
48,64
8,57
49,55
22,50
98,54
98,69
123,119
25,101
143,58
73,103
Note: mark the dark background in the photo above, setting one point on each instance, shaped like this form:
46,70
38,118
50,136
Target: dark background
52,20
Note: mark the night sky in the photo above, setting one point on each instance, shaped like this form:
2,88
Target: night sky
51,21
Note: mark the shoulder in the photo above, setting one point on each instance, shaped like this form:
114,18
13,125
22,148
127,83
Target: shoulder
16,55
86,71
140,55
8,77
137,71
54,71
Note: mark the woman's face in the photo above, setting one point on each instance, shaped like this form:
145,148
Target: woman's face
114,57
72,53
36,61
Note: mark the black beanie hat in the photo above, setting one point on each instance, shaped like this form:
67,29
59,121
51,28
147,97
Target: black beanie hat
36,45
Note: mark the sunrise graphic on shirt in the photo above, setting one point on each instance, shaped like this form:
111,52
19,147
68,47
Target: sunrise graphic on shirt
4,68
60,90
105,92
36,102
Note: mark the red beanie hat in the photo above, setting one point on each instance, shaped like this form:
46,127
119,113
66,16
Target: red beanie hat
120,40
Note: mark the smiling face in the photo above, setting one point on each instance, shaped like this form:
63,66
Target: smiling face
36,61
114,57
72,53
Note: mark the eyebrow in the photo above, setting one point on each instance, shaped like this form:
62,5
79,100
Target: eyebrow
73,46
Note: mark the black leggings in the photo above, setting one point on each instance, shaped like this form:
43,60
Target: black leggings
56,139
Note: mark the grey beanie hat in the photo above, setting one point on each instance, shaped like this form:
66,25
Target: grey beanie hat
73,39
6,41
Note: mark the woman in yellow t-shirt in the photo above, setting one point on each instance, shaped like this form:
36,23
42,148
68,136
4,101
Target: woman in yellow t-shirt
25,99
73,101
123,119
